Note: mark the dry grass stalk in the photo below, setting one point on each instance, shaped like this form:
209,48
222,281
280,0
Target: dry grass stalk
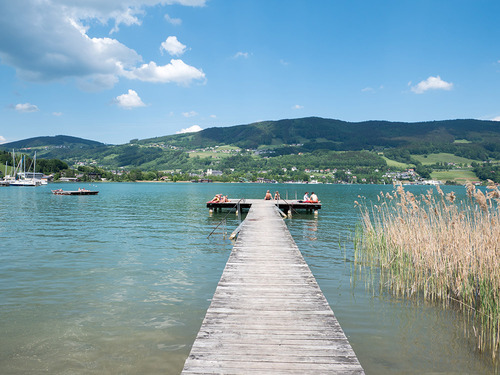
442,250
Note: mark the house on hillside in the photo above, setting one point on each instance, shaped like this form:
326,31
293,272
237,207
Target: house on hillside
213,172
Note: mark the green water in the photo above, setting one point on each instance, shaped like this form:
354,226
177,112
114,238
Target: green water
120,282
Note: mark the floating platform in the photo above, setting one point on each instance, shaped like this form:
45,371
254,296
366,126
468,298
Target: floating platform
268,314
75,192
286,206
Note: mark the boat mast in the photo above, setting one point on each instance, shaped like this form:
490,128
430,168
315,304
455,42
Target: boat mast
14,166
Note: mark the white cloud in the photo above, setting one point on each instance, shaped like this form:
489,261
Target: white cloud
61,49
432,83
173,46
496,118
173,21
129,100
368,89
26,107
189,114
241,54
213,116
177,71
297,106
57,114
284,63
2,140
127,17
191,129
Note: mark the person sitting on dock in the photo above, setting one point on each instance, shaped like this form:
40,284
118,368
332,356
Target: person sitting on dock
314,198
268,196
306,197
277,196
217,198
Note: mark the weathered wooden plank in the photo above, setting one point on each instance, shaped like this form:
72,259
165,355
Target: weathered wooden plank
238,371
220,367
268,314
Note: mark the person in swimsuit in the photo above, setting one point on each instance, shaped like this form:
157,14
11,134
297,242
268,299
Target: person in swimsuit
268,196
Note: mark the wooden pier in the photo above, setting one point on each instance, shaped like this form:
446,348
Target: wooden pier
268,314
288,206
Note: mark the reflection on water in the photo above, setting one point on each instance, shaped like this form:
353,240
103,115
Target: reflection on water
310,229
120,282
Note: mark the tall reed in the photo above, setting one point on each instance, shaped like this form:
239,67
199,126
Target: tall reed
434,247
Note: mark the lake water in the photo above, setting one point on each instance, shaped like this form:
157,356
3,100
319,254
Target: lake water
120,282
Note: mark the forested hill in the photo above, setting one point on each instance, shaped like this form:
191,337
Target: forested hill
56,141
309,134
474,140
320,133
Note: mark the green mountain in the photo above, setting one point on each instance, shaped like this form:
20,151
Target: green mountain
315,133
56,141
280,142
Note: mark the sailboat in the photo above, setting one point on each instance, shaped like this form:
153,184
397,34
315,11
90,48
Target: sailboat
25,178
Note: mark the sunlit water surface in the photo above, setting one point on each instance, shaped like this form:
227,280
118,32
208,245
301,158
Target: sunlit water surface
120,282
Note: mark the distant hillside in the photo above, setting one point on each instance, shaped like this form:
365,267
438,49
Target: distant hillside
469,139
56,141
320,133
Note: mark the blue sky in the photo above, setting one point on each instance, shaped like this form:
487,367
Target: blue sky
115,70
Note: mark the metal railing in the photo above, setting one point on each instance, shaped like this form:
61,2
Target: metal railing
237,206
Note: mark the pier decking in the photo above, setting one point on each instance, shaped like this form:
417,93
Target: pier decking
284,205
268,314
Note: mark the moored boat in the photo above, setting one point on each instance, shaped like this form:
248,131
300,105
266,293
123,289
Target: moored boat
80,191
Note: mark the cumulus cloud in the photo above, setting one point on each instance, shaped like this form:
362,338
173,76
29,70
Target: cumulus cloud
173,46
496,118
191,129
60,47
173,21
432,83
189,114
297,106
57,114
2,140
129,100
177,71
26,107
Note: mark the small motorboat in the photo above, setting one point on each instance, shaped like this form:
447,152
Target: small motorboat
80,191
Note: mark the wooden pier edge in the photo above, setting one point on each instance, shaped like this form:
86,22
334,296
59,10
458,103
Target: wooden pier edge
287,206
268,314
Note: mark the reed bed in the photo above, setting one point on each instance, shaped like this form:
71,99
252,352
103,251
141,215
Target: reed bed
434,247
